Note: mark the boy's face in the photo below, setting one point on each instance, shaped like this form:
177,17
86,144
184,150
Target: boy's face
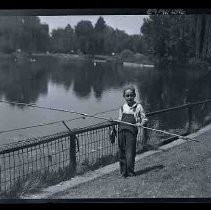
129,97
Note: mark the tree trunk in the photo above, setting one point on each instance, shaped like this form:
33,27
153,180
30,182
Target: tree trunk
201,36
206,51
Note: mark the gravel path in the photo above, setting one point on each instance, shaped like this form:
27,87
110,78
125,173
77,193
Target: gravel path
183,171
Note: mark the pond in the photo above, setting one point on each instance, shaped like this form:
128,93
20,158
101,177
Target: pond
84,87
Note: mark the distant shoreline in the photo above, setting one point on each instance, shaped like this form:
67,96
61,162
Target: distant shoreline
94,58
67,56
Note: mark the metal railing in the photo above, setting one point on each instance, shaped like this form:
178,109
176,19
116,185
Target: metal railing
56,157
53,157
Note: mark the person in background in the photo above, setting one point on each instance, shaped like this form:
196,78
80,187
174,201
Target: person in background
131,112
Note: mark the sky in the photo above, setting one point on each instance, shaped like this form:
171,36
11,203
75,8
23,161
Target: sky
131,24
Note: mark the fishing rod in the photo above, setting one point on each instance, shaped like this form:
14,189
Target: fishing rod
173,134
153,129
102,118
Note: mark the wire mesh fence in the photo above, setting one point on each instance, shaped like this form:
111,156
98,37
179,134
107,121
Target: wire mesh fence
46,156
58,157
19,162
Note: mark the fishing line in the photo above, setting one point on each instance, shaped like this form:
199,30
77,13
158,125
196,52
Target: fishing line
43,107
102,118
44,124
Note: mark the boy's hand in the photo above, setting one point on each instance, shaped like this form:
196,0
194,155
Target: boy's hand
111,119
139,124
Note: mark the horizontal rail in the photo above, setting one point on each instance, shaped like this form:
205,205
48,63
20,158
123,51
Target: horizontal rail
15,146
177,107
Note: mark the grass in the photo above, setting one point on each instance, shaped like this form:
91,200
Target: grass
38,180
100,162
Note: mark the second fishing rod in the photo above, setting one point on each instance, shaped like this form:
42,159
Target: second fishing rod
102,118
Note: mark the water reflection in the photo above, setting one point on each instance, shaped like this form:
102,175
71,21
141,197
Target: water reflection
92,89
87,77
25,82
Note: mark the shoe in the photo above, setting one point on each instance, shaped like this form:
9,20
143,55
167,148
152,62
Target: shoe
131,174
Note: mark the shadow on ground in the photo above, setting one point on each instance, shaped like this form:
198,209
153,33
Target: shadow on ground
148,169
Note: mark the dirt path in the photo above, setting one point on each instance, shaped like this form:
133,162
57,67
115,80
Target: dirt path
182,171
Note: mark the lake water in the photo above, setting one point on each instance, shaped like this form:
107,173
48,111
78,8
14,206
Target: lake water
83,87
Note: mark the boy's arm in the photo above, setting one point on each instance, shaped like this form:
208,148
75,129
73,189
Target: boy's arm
120,114
142,119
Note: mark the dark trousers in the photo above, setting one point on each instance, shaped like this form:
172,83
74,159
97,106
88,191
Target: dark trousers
127,151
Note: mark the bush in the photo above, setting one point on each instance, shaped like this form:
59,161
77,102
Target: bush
143,59
127,55
7,49
198,63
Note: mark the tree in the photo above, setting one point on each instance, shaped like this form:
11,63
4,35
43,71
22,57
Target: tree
121,40
84,30
100,25
178,38
10,33
98,36
109,41
62,40
28,34
23,32
136,44
34,36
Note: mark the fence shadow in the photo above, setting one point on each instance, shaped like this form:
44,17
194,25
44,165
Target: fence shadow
148,169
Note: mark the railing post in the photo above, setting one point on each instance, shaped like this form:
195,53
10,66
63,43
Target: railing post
72,152
190,119
0,178
72,155
145,136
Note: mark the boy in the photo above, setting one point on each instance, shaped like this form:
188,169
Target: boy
131,112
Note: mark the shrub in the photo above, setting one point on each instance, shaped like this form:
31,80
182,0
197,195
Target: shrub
127,55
